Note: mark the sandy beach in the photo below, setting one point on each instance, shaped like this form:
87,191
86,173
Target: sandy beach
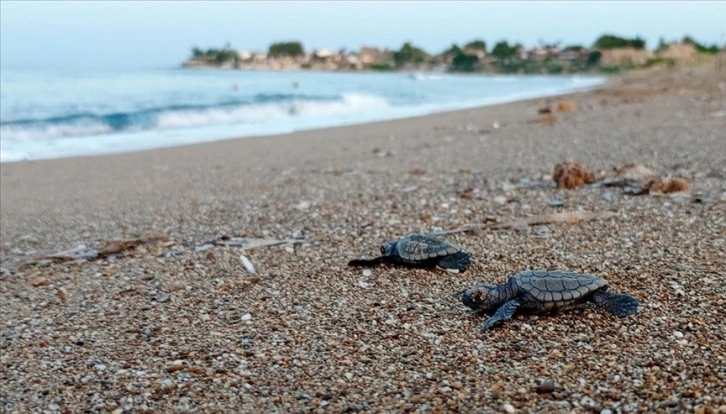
174,327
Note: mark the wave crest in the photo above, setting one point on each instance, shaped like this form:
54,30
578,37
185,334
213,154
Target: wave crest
259,109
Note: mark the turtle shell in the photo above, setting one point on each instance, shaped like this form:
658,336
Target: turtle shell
418,248
557,289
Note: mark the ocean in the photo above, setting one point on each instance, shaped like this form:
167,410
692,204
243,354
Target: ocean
54,114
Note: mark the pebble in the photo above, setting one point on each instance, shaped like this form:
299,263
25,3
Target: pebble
508,408
248,265
500,200
557,203
545,387
40,281
246,317
175,366
363,284
608,196
367,273
161,297
303,205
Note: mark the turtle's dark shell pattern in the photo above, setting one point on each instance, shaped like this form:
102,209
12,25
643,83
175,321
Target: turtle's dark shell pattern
416,248
557,290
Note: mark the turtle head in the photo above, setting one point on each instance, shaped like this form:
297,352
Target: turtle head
482,297
389,248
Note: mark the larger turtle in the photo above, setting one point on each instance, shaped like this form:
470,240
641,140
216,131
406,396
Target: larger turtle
419,250
545,291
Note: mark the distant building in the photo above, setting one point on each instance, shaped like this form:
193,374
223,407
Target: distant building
480,54
678,51
627,56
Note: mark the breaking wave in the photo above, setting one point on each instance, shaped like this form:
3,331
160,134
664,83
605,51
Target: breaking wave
259,109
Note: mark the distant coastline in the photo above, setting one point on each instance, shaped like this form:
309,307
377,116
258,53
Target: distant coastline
608,54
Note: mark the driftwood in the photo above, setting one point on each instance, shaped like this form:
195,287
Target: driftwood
567,217
247,242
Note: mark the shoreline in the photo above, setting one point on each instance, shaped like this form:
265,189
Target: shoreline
607,81
170,327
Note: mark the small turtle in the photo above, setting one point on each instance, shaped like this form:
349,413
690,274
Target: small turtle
418,250
545,291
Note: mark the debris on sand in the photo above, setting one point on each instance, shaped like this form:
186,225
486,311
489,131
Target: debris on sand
563,217
637,179
566,105
247,242
570,174
247,264
545,110
152,240
667,185
633,172
547,118
78,252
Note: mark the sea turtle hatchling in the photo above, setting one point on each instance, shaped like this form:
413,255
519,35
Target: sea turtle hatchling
418,250
545,291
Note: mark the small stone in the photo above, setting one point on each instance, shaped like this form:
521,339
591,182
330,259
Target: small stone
161,297
40,281
606,411
61,294
363,284
246,317
545,387
587,402
608,196
367,273
175,366
678,334
557,203
303,205
508,408
500,199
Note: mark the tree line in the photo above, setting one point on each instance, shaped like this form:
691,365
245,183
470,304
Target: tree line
505,55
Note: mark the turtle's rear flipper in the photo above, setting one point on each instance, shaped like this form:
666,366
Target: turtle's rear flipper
459,261
366,262
615,303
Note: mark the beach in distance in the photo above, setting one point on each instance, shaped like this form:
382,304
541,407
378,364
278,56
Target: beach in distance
138,275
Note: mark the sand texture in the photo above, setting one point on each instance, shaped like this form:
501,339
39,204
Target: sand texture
165,322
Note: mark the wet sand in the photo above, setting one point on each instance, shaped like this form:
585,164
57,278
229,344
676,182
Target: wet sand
171,329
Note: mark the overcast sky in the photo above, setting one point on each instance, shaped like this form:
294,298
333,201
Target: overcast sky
161,34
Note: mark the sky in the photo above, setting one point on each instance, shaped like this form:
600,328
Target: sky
148,34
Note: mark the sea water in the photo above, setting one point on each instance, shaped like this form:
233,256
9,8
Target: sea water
53,114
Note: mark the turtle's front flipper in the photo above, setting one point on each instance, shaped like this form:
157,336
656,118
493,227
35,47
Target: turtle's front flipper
616,303
366,262
459,261
502,314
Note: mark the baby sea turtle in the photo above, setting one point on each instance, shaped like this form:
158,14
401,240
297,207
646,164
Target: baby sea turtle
418,250
545,291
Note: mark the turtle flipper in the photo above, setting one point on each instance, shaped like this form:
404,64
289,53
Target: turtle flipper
502,314
459,261
615,303
366,262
